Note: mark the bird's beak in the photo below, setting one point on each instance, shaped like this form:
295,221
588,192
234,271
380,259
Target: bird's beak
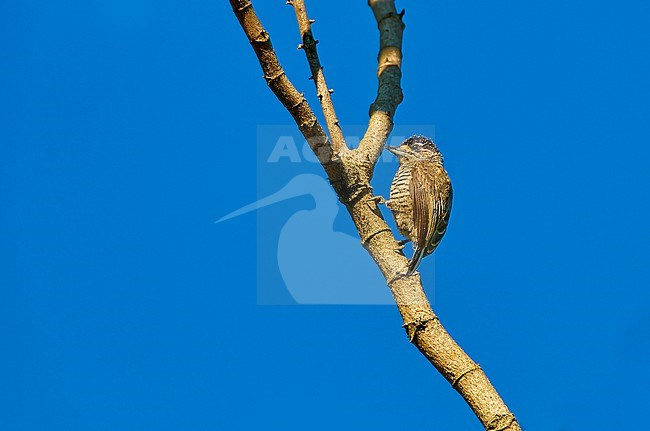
396,151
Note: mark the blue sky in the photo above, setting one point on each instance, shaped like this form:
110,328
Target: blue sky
128,128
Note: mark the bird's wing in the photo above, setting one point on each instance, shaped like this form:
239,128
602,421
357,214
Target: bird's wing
440,227
431,195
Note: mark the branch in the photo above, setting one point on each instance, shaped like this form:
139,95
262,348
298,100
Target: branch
422,325
389,74
277,80
324,93
350,177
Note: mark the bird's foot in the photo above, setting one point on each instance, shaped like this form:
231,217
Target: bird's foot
379,200
402,243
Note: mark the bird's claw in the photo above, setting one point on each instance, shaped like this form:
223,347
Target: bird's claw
402,243
379,200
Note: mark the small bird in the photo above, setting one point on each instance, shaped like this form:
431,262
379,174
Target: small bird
420,196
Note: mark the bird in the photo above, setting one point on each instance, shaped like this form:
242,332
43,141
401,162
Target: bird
420,196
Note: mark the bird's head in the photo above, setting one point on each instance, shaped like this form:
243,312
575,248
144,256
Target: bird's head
417,148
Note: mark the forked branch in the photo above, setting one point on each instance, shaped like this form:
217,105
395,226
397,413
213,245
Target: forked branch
350,171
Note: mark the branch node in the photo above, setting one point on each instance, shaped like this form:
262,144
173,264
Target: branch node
300,46
397,276
412,328
454,383
243,7
391,15
365,241
300,102
262,37
311,21
355,192
502,422
272,78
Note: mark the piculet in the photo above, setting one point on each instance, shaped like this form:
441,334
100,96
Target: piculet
420,196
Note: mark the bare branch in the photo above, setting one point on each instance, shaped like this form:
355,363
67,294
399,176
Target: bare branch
389,73
350,177
277,80
422,325
322,90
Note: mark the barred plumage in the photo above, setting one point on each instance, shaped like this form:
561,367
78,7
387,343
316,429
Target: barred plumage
420,196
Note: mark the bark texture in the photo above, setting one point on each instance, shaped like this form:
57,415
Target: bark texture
350,172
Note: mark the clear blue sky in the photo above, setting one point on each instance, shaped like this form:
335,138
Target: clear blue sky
128,127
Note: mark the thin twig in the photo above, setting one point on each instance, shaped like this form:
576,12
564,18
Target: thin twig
389,74
322,90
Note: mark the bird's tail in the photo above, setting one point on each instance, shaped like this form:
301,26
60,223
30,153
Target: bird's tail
418,254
